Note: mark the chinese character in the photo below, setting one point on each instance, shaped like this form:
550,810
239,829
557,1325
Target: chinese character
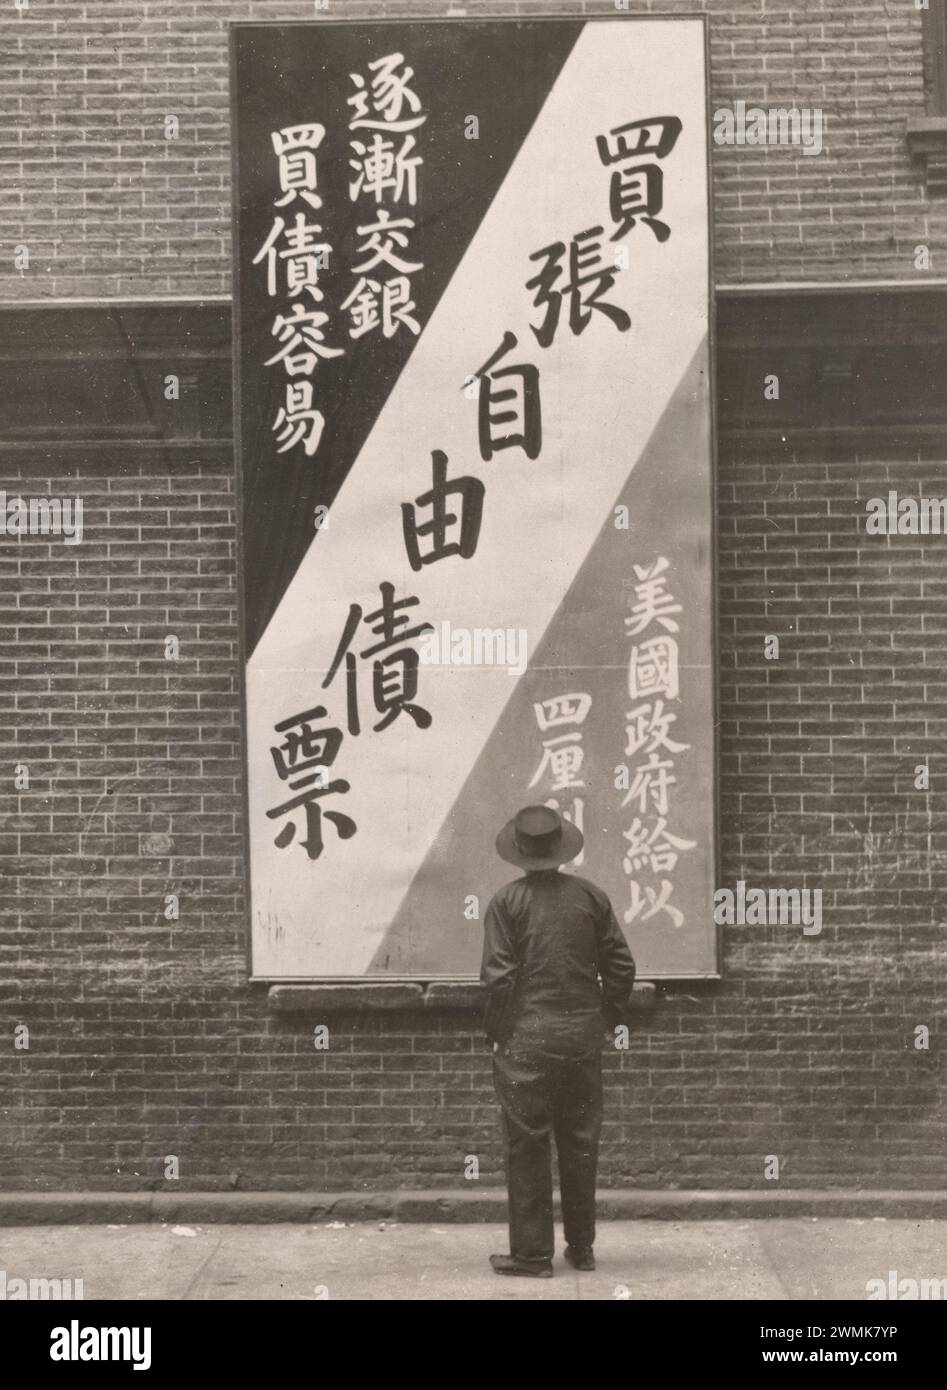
296,145
470,491
396,306
380,167
652,669
638,191
562,709
390,93
304,256
655,848
590,277
301,329
297,421
395,676
648,727
310,751
563,758
514,410
382,236
654,603
658,900
652,780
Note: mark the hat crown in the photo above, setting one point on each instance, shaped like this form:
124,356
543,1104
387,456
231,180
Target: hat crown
537,822
538,837
537,830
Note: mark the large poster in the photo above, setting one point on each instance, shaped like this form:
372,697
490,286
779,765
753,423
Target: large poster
473,358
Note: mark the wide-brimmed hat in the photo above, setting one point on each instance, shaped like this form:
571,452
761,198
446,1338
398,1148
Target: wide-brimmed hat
538,838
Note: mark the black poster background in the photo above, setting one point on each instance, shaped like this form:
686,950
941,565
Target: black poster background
286,75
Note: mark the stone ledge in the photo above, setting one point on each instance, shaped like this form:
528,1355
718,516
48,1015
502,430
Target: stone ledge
458,996
454,995
448,1205
287,999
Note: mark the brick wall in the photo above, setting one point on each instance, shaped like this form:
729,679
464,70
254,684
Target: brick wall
108,206
145,1039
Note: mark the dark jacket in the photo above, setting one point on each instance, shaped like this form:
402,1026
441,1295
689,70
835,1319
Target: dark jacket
548,939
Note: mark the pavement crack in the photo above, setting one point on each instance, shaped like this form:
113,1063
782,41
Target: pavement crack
198,1274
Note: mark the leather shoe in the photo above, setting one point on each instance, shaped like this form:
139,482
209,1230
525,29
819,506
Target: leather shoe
580,1258
506,1264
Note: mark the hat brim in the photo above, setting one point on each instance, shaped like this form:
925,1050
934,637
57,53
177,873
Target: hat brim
569,846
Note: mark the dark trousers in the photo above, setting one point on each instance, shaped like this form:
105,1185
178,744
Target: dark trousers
542,1096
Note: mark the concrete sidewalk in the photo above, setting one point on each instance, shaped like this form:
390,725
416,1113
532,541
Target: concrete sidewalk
801,1258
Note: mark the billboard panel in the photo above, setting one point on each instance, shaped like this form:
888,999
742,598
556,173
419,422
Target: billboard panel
473,398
